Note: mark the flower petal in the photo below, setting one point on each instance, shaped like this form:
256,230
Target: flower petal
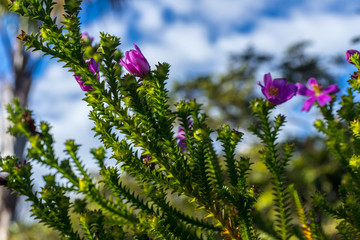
142,66
83,86
275,100
138,49
135,62
288,92
324,99
311,82
331,89
267,80
308,103
94,67
128,66
265,91
349,53
279,83
303,90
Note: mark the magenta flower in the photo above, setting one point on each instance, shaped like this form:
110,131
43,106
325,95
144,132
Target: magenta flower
277,91
349,53
94,68
354,76
85,37
181,136
146,161
135,62
182,139
315,93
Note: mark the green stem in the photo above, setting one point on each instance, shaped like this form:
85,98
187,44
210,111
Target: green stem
271,162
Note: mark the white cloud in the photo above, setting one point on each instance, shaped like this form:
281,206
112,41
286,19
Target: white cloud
149,16
179,7
331,5
189,46
228,12
184,47
111,23
220,14
56,98
188,40
329,33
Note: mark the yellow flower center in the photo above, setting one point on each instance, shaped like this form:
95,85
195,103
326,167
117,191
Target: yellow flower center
317,89
273,91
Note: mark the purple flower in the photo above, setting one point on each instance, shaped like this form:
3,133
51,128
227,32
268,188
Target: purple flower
181,136
85,37
182,139
355,76
315,93
277,91
94,68
349,53
146,161
135,62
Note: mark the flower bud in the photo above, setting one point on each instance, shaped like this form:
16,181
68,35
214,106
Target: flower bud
83,185
86,38
354,161
30,122
355,76
94,68
349,53
135,62
201,134
181,136
319,125
355,127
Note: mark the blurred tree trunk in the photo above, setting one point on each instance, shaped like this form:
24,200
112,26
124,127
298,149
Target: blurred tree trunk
7,199
10,145
22,71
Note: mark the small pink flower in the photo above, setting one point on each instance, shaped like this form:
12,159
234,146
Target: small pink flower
315,93
147,163
181,136
349,53
94,68
277,91
85,37
135,62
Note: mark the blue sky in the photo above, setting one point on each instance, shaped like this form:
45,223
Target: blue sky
203,33
197,37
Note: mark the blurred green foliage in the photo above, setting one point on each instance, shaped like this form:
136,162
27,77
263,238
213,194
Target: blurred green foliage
226,98
35,231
